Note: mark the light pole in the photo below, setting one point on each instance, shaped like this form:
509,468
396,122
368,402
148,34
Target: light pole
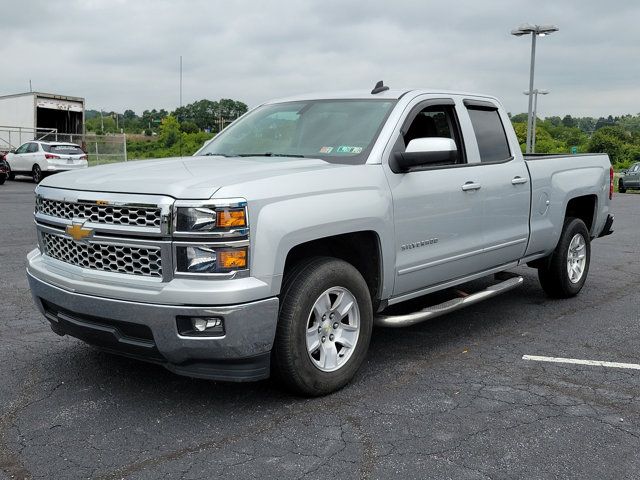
536,92
535,31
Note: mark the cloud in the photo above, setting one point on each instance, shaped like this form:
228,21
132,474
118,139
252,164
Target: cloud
124,54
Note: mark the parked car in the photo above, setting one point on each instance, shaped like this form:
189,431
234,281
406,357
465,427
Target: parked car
304,223
38,159
630,178
4,169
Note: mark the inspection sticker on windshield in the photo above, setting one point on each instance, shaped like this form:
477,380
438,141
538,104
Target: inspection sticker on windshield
326,149
347,149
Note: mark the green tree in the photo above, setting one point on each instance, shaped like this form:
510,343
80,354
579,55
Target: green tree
189,127
568,121
169,131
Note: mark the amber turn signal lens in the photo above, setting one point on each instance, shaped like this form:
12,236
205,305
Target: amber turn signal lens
231,218
232,259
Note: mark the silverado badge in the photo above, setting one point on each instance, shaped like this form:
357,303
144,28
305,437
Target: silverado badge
78,232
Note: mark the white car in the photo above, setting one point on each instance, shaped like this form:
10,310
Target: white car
37,159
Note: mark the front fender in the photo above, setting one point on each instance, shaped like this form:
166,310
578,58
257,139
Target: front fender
286,223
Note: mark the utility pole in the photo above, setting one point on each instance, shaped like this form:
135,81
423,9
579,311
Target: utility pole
535,94
534,31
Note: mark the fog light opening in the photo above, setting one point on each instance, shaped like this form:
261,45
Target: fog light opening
200,326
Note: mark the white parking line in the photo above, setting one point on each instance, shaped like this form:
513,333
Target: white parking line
577,361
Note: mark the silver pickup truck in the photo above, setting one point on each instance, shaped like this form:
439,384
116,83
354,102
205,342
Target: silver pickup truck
280,244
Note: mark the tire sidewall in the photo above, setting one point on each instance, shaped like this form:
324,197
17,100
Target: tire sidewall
573,227
621,187
298,303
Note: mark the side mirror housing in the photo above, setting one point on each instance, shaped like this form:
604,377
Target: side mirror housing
424,152
12,151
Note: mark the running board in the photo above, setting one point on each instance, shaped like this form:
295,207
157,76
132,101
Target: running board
396,321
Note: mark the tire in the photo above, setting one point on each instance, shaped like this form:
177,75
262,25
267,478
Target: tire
36,174
554,273
12,176
621,188
320,282
3,178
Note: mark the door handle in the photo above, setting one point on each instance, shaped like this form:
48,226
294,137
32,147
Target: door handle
470,186
519,180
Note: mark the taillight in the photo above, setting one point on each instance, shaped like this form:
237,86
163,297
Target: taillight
83,157
611,182
49,156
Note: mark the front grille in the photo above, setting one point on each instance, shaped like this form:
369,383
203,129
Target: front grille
107,214
109,258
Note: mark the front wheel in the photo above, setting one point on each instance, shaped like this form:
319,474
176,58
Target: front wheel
324,329
563,274
36,173
11,175
3,178
621,187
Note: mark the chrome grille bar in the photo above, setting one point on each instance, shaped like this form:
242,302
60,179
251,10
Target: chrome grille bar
130,260
100,214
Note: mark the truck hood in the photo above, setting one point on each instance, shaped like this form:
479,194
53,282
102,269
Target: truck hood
181,177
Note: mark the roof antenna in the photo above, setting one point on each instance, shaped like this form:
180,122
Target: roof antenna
380,87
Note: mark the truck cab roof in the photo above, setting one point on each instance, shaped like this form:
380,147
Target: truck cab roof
391,94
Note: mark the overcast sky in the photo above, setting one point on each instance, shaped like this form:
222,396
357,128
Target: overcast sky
122,54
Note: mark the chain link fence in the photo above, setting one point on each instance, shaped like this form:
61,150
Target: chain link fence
101,149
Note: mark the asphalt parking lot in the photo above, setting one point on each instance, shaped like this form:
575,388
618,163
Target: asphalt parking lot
452,398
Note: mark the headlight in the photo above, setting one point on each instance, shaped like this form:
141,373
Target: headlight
203,219
195,219
210,259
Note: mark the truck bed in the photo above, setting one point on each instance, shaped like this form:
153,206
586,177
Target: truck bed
556,179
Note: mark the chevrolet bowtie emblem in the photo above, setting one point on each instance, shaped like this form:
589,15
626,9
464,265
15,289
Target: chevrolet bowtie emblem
78,232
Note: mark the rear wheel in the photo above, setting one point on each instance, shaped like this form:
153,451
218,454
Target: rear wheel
563,274
36,173
621,187
325,324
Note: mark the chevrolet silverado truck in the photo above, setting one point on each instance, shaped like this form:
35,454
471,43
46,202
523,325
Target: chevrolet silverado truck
280,244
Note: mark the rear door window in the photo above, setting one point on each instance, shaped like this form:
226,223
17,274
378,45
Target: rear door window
490,134
33,148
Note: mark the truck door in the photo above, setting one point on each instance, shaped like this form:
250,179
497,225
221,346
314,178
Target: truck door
438,222
505,185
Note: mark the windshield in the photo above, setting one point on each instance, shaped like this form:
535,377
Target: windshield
334,130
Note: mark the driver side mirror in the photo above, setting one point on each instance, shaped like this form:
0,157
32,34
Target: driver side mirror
424,152
12,151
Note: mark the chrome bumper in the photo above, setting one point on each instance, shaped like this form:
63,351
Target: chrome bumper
118,326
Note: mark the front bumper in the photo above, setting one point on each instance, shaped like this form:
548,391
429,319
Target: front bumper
149,331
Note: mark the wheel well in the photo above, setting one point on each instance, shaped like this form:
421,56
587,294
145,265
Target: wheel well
583,208
360,249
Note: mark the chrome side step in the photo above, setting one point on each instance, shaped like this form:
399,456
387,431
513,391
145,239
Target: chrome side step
510,282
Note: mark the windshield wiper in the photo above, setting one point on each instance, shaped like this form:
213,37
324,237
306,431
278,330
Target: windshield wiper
211,154
269,154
